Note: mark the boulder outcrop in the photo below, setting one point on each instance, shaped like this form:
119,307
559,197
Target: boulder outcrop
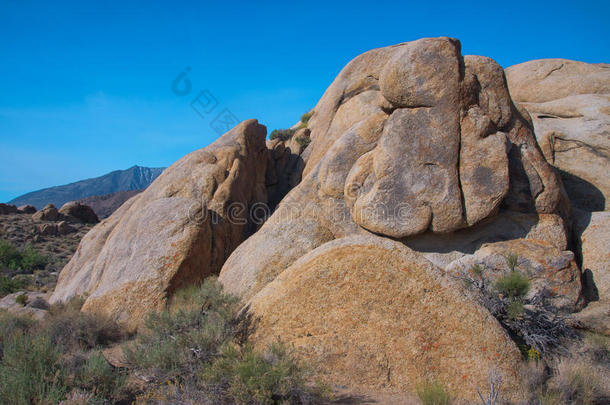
48,213
76,211
569,103
176,232
372,313
409,141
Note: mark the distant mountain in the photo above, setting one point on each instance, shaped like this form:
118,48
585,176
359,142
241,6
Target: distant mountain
105,205
134,178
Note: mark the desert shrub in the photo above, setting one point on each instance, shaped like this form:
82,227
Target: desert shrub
9,285
99,378
42,361
433,393
22,299
282,134
28,259
514,310
305,117
74,330
198,321
513,284
32,259
243,376
30,370
8,253
195,352
578,382
11,324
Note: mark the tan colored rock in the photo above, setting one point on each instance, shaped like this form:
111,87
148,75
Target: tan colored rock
553,273
76,211
593,235
410,141
569,103
543,80
373,314
35,305
176,232
48,213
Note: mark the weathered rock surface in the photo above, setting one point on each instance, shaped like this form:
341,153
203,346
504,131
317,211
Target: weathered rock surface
36,305
543,80
76,211
372,313
569,103
178,231
48,213
593,235
409,141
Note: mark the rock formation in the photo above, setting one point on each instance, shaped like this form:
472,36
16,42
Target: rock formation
410,152
48,213
178,231
415,165
569,103
371,313
75,211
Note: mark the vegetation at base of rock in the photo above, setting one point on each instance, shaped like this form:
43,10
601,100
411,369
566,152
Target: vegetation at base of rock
433,393
198,344
513,285
42,362
531,322
282,134
27,259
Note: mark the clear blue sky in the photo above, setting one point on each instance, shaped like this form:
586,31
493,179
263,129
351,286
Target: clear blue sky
86,85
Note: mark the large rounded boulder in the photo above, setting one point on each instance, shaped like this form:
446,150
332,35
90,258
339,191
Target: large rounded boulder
371,313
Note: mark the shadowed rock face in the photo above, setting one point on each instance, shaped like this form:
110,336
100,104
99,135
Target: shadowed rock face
178,231
409,140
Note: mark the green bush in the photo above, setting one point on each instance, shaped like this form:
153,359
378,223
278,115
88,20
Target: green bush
9,285
514,310
305,117
513,285
195,346
32,260
100,378
29,259
282,134
197,322
30,370
22,299
8,253
243,376
42,361
433,393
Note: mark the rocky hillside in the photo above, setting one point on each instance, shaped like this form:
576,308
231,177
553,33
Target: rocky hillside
419,227
134,178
